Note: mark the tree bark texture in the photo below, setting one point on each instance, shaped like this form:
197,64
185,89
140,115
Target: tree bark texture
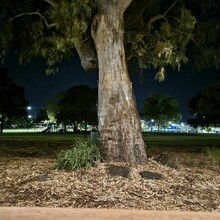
87,55
119,124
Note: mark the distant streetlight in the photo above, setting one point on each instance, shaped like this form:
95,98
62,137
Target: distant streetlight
35,113
151,124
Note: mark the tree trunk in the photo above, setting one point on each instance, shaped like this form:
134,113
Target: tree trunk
119,124
75,126
85,126
1,126
1,122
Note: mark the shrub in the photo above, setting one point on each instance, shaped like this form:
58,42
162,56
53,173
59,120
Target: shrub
214,154
83,154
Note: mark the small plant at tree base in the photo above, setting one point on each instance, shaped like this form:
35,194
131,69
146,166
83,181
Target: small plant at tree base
214,154
83,154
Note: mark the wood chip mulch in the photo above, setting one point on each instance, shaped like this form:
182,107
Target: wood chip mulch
194,186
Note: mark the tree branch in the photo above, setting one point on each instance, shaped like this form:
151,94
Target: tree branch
87,55
161,16
50,2
138,15
123,4
35,13
107,5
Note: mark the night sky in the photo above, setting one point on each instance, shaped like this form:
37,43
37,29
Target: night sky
39,87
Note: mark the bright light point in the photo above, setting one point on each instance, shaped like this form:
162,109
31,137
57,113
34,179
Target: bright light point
29,116
29,108
152,120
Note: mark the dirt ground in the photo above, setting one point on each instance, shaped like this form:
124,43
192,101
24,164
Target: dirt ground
27,178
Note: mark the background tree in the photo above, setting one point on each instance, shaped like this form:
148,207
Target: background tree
157,33
42,116
52,109
77,105
12,100
162,109
205,107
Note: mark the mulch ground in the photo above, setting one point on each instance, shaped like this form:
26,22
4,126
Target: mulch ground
27,178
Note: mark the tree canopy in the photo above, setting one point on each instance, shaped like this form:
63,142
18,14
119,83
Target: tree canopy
161,108
42,116
156,37
204,51
75,105
156,32
12,99
205,107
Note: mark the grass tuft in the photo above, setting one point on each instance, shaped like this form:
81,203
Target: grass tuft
83,154
213,154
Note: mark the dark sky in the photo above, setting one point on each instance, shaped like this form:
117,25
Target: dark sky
39,87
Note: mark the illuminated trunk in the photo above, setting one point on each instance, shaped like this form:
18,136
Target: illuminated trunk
1,124
119,124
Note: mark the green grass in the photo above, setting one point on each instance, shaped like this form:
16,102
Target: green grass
49,137
181,140
151,139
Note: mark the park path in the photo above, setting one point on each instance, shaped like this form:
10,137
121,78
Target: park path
24,213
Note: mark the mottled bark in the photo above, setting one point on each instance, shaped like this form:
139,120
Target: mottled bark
119,124
88,57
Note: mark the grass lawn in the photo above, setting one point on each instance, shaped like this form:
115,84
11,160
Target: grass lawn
47,137
182,140
185,140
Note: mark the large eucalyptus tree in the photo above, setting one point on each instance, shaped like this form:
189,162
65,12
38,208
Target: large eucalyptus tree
154,33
